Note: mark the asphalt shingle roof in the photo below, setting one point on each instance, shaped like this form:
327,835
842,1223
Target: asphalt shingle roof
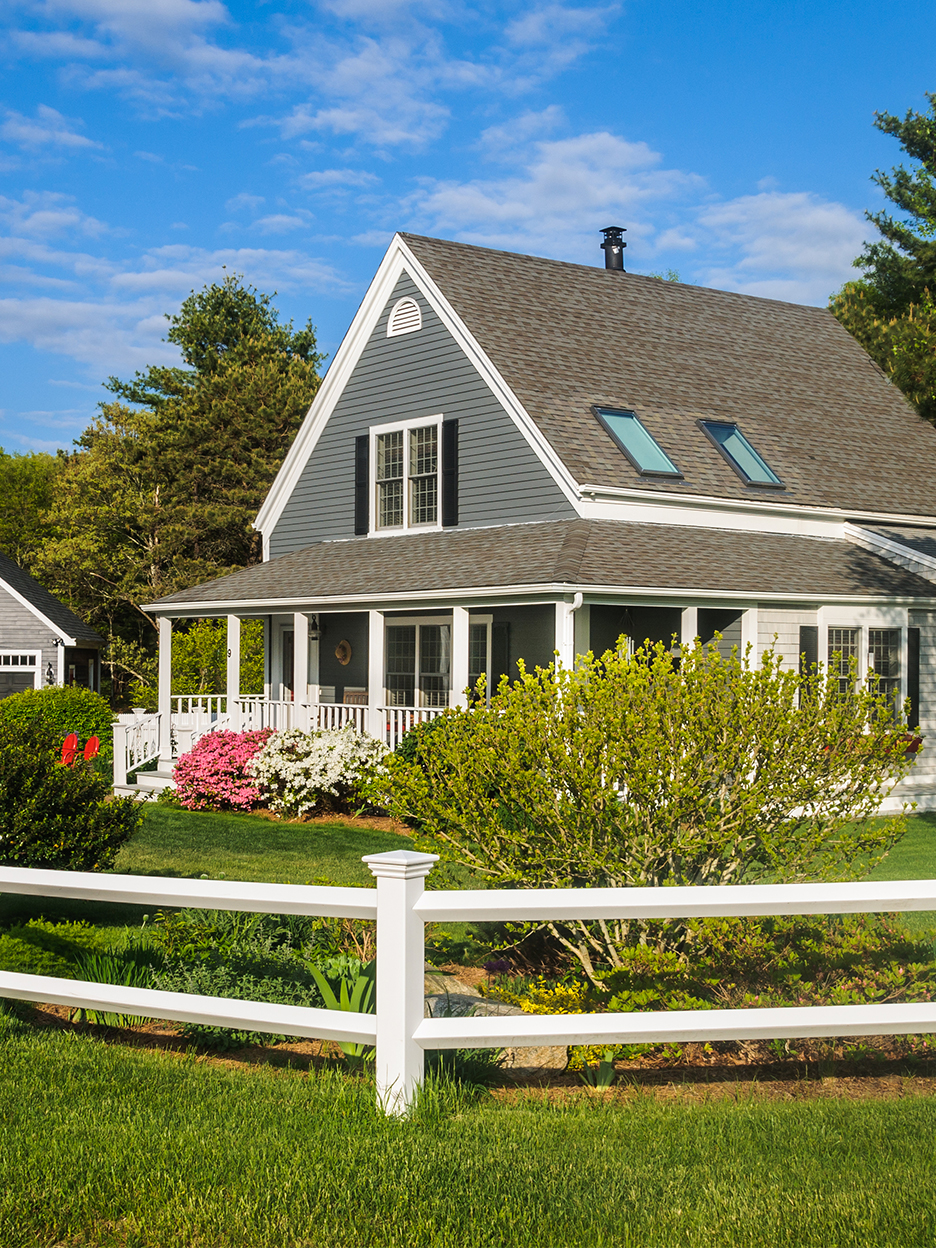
566,336
574,553
13,576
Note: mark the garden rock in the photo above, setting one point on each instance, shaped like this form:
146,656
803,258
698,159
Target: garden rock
448,997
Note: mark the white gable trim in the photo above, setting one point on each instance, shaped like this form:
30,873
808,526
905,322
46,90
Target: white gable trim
895,552
34,610
398,260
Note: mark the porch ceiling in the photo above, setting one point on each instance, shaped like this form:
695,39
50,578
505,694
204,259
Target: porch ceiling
554,558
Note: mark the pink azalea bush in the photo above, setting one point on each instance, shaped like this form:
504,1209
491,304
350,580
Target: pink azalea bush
212,776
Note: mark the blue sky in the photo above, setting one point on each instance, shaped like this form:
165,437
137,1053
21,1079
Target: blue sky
144,144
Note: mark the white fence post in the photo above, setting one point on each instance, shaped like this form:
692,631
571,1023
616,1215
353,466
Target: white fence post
120,755
401,969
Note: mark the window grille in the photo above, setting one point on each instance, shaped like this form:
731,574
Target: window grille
884,660
390,480
843,650
424,475
401,664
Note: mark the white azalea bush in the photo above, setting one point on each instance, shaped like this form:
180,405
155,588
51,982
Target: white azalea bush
301,772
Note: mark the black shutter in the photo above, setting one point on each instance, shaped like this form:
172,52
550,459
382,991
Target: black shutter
809,652
500,653
913,676
449,473
362,484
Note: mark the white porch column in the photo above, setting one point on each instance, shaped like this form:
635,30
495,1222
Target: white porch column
232,684
688,625
749,637
460,620
164,692
376,724
301,669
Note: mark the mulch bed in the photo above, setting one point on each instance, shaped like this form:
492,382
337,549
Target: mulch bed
739,1071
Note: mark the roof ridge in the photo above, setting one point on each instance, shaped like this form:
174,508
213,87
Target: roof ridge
572,552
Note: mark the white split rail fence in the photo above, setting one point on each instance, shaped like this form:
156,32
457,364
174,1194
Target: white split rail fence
402,906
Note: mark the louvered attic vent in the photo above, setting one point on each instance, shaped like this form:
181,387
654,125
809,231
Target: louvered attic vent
405,318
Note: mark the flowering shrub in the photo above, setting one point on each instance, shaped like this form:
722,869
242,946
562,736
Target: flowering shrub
301,771
212,776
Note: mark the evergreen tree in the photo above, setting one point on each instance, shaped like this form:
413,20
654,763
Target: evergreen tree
165,484
892,309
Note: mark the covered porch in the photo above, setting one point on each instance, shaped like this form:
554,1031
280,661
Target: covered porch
384,670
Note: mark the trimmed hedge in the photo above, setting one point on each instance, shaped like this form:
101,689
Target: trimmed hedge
65,709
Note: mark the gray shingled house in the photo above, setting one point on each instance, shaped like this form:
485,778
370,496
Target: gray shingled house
512,456
42,642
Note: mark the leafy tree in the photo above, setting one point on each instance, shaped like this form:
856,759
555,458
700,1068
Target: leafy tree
26,489
199,662
645,770
164,486
891,310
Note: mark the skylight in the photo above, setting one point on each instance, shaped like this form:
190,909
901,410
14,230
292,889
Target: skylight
739,453
636,443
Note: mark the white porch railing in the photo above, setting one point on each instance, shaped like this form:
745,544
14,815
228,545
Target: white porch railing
400,719
402,906
136,742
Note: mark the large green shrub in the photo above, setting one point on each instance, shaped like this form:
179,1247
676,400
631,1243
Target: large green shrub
65,709
55,816
646,769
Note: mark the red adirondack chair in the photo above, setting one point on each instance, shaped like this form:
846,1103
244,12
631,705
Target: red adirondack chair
92,745
69,749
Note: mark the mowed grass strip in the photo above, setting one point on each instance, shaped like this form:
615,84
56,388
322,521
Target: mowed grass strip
192,844
104,1146
248,847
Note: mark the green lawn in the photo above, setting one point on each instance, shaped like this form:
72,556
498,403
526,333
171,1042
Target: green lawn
235,847
913,858
101,1145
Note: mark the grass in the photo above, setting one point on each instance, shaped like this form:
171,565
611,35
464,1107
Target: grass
191,844
913,858
105,1146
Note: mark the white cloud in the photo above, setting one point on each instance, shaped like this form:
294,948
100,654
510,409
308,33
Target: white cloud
791,245
325,179
282,223
48,129
250,203
45,213
564,190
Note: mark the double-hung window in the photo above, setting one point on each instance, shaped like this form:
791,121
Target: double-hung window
419,664
406,475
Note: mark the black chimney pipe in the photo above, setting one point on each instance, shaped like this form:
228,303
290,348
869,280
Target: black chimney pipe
613,247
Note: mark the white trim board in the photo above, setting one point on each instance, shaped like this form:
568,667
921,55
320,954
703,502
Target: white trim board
545,592
398,260
67,639
894,552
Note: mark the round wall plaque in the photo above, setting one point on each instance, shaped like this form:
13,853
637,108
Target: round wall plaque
343,653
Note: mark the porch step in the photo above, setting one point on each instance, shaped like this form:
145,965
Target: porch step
156,781
148,784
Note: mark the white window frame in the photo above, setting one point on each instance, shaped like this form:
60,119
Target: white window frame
408,621
864,619
404,427
18,652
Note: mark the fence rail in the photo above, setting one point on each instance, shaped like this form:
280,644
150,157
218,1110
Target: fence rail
402,905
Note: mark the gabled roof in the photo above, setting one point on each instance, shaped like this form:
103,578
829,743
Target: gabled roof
45,605
562,555
566,336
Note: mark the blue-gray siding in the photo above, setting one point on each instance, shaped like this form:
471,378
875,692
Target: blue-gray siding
21,631
501,480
